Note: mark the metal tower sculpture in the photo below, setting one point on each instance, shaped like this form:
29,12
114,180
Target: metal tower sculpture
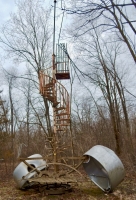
55,170
56,93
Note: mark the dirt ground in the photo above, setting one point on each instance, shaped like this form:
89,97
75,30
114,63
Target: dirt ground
80,191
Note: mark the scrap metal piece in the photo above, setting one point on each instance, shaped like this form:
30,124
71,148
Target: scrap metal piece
55,189
104,167
23,172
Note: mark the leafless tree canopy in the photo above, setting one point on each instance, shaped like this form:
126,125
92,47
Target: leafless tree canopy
112,16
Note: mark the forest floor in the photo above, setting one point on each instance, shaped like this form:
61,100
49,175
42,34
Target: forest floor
80,191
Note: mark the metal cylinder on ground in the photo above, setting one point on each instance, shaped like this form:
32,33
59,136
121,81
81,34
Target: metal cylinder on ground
22,171
104,168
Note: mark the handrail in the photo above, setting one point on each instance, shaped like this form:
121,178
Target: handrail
62,95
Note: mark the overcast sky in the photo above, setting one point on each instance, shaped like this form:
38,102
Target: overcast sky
6,7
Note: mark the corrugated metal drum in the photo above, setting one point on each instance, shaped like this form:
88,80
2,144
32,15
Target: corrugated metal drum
104,167
22,170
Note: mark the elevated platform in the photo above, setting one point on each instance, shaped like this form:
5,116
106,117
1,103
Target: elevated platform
62,75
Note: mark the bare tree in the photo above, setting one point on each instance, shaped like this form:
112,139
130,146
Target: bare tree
111,15
11,116
101,60
4,126
26,38
10,80
5,140
32,112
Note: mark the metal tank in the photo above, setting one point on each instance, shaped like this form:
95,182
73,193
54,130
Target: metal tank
104,167
23,171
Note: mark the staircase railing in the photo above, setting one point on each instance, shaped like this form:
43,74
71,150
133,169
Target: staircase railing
59,98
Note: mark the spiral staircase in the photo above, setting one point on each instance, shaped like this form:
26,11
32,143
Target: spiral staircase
56,93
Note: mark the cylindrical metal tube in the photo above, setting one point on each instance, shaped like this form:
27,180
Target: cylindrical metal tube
22,170
104,167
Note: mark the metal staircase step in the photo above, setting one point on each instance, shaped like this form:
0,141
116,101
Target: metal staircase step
62,124
49,93
55,103
50,98
46,87
60,108
63,119
61,114
49,84
60,130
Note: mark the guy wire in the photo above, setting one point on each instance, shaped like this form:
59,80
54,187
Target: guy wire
54,26
61,27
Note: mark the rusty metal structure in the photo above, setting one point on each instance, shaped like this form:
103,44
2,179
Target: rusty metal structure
59,168
63,160
56,93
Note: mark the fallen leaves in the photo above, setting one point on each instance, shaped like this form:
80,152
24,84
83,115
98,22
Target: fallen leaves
81,191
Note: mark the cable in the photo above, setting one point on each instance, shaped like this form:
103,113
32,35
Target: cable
61,27
54,26
61,4
61,20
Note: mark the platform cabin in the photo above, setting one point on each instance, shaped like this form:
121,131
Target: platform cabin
62,62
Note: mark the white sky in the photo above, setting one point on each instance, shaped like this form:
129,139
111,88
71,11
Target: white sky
6,7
